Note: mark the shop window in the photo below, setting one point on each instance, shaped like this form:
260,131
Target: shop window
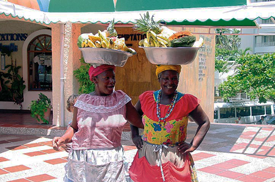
243,111
216,114
258,110
227,112
268,109
40,63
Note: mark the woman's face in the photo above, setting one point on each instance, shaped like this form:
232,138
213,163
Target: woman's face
169,81
105,82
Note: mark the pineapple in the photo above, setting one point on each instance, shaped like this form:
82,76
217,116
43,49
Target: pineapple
147,23
111,32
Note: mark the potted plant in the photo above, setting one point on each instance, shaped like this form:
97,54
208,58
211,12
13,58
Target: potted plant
41,109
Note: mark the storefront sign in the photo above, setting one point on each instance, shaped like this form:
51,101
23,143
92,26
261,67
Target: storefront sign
204,53
13,37
12,47
132,37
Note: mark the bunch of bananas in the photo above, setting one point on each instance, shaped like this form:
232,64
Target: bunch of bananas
100,40
107,39
154,40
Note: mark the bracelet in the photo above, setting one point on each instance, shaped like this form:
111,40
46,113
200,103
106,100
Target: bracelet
73,128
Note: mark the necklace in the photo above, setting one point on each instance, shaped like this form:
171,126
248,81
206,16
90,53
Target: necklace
170,109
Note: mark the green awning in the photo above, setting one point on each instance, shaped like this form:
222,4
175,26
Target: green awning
203,13
81,6
220,23
143,5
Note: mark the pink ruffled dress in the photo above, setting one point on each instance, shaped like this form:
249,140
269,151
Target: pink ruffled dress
97,154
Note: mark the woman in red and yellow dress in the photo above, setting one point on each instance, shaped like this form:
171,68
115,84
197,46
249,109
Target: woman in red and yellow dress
163,154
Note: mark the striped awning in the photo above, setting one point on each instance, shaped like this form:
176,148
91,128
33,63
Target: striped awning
239,15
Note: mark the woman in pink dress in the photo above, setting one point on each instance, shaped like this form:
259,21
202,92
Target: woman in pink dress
98,121
163,154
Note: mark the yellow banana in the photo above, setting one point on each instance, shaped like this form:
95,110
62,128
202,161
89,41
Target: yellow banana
162,41
153,39
146,43
83,43
141,42
104,44
102,35
91,44
98,44
86,43
94,38
163,37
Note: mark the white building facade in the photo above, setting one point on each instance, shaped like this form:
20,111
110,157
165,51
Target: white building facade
260,41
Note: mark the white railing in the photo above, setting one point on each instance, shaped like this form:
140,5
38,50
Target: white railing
265,44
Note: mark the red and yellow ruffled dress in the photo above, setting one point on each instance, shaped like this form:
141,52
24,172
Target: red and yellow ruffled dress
161,141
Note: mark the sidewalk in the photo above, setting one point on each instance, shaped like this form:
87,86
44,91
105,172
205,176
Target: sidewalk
229,153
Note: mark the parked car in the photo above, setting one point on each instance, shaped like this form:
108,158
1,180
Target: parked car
270,119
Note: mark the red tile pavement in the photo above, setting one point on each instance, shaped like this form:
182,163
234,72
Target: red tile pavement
3,159
260,139
250,178
246,137
268,129
254,146
129,148
3,172
271,139
49,143
249,133
222,168
40,178
263,150
231,174
272,152
221,171
16,168
20,180
257,156
212,170
238,146
49,151
201,155
270,169
237,162
32,154
224,165
56,161
30,145
263,174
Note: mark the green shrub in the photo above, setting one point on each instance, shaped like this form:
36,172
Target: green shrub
86,85
39,107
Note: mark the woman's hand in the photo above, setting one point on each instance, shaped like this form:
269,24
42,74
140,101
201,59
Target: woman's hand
186,147
57,143
137,141
67,147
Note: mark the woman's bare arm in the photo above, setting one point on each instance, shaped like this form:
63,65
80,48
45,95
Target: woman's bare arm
200,117
133,116
67,137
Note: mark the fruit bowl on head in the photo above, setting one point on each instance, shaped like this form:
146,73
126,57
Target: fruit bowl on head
171,55
105,56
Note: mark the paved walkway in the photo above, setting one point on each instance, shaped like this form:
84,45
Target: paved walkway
229,153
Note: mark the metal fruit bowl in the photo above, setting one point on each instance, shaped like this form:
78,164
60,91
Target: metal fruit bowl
171,55
105,56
